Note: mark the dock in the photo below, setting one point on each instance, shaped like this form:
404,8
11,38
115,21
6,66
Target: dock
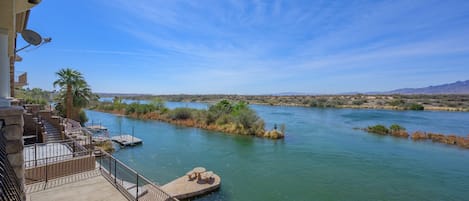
127,140
183,187
97,128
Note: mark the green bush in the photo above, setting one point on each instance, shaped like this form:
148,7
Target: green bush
358,102
83,117
414,106
378,129
247,118
396,127
223,119
181,113
398,102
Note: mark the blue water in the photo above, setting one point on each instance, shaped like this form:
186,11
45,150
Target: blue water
321,158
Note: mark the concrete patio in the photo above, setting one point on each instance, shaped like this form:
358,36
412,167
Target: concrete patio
89,186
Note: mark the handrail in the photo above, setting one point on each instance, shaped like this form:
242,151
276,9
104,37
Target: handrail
62,157
113,174
47,168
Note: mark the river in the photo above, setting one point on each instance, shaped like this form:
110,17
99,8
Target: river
321,158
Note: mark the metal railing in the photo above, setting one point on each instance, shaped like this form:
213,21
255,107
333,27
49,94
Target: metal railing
48,168
58,150
45,161
129,182
9,186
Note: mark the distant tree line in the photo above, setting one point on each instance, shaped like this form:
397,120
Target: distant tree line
391,101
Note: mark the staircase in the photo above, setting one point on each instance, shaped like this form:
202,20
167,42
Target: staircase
52,134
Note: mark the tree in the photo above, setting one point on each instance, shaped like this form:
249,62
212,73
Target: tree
158,104
68,79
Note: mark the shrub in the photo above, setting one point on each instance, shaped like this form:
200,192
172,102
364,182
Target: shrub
397,102
247,118
414,106
378,129
358,102
396,128
83,118
223,119
181,113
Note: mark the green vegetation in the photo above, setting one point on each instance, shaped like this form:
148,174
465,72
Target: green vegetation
223,116
75,94
181,113
34,96
394,130
414,106
378,129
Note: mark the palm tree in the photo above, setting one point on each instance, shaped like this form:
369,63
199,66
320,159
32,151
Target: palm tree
82,95
68,79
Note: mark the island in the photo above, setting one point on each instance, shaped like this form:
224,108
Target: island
224,116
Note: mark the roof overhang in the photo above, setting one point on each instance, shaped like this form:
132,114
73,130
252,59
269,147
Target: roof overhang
14,15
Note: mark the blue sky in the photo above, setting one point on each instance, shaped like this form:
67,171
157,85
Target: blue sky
250,47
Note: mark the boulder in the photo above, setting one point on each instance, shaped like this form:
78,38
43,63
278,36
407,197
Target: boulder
274,134
435,137
463,142
418,135
400,133
451,139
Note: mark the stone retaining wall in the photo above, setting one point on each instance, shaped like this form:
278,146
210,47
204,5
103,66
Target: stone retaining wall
13,133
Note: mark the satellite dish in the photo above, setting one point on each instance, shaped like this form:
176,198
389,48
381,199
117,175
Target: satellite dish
31,37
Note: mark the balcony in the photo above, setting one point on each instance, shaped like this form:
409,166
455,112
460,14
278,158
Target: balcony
83,176
72,169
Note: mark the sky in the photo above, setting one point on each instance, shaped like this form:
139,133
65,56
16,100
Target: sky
249,47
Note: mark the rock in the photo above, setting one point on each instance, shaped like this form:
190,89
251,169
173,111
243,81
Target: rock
435,137
463,142
274,134
419,136
400,133
451,139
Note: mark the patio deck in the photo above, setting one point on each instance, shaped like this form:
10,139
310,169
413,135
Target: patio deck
89,186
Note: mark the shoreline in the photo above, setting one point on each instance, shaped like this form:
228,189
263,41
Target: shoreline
394,108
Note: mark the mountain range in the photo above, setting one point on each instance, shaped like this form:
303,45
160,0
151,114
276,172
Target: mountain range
459,87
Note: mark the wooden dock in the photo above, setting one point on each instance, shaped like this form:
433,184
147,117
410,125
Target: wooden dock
183,187
127,140
97,128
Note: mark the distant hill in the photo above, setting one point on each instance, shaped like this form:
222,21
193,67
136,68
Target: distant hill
459,87
291,94
118,94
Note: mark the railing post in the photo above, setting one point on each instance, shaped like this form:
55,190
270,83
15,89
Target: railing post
136,195
73,143
46,170
115,172
110,172
35,155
